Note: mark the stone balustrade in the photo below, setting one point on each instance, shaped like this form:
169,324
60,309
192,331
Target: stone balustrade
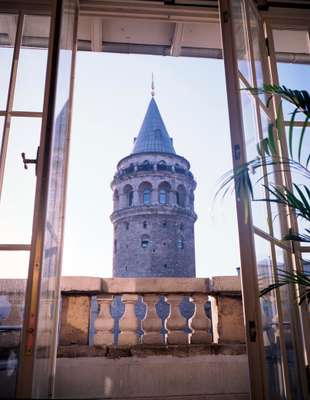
155,311
140,311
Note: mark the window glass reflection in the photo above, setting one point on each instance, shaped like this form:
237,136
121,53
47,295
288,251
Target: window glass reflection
162,197
270,319
8,26
241,40
32,64
17,200
146,196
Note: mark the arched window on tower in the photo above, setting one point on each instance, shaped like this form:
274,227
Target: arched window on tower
181,196
162,197
130,199
128,192
145,193
146,196
180,243
145,241
115,200
163,193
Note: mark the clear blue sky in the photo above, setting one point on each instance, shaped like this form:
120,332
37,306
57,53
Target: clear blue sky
111,96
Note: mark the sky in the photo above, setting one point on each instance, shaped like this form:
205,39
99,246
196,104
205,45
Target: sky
112,92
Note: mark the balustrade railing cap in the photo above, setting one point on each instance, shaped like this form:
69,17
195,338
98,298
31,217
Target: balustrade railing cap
225,284
80,284
134,285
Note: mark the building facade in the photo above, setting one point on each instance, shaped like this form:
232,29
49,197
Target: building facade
153,196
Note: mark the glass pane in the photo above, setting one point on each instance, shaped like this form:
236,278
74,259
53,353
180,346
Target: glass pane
44,369
17,200
14,265
271,179
259,212
256,38
287,310
13,271
293,76
32,64
241,40
293,56
299,174
8,26
270,319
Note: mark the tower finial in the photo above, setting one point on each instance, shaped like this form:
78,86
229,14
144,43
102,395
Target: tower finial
153,86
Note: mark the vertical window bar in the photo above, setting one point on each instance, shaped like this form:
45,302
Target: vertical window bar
10,98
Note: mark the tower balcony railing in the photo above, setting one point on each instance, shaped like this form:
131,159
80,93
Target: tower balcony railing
147,167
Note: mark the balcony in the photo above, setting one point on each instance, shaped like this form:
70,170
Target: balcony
122,338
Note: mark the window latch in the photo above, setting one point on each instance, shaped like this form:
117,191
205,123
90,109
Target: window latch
27,161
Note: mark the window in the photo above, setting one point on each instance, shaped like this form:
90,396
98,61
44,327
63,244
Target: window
145,240
115,200
115,246
127,226
180,243
162,197
163,192
145,193
128,192
181,196
130,198
164,224
146,196
144,224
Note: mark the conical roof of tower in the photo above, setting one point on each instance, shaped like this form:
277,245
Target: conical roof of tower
153,135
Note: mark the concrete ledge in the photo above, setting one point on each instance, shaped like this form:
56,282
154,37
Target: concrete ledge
154,377
142,351
225,284
134,285
82,284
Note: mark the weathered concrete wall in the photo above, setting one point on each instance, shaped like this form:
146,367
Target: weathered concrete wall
221,376
227,310
74,320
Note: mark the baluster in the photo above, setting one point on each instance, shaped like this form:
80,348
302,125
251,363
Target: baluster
104,323
151,324
200,323
129,322
176,322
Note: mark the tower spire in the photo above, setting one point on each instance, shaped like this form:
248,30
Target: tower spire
152,86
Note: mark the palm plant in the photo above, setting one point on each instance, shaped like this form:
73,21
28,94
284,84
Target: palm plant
297,198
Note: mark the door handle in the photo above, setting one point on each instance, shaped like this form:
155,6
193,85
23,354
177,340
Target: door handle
27,161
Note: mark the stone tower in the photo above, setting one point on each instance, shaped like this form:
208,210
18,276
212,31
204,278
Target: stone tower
153,196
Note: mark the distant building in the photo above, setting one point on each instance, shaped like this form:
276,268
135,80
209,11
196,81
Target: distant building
153,217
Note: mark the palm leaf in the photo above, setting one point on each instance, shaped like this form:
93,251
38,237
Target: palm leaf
302,279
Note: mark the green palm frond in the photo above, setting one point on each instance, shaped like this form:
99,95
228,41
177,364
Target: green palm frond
299,98
299,201
302,279
298,237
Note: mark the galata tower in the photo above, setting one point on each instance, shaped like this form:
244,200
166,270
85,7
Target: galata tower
153,214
